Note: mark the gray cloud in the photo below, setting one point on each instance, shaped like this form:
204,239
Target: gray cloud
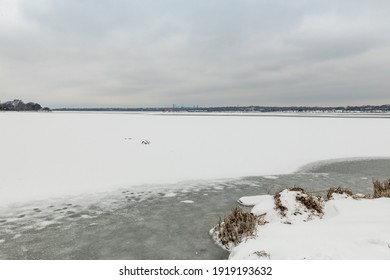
230,52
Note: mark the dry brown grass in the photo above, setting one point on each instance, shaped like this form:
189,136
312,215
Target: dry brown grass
338,190
236,226
278,204
309,201
262,254
297,189
381,189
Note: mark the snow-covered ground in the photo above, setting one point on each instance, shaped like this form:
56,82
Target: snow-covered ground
55,154
348,229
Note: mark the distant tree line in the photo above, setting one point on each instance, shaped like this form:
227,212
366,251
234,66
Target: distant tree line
19,105
267,109
264,109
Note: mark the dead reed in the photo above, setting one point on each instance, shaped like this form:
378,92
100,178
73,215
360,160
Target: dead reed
309,201
279,205
381,189
236,226
338,190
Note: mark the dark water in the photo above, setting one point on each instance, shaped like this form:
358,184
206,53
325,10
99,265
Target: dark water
156,224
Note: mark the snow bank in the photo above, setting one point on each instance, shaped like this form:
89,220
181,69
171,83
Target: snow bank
55,154
348,229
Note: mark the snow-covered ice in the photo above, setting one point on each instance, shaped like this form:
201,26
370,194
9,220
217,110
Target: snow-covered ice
187,201
271,177
56,154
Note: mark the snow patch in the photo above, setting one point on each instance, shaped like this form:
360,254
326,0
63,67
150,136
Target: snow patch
171,194
17,236
187,201
253,200
43,224
271,177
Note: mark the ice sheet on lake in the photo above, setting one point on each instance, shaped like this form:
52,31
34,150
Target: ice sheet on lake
50,155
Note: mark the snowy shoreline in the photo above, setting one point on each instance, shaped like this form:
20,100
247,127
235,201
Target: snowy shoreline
344,228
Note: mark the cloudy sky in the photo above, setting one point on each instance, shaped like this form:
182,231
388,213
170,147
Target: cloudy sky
131,53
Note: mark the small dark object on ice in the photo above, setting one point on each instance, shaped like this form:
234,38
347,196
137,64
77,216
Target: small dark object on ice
145,142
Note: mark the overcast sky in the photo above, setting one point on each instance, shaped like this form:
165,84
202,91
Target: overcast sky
131,53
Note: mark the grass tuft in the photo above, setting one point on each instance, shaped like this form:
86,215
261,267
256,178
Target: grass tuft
312,203
236,226
262,254
279,205
338,190
381,189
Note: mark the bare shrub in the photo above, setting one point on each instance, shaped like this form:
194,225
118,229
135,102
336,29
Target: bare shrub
381,189
338,190
236,226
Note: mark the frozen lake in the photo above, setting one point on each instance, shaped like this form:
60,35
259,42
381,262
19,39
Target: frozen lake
159,225
83,186
48,155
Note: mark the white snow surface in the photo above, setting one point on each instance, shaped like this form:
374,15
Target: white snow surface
350,229
187,201
255,199
45,155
